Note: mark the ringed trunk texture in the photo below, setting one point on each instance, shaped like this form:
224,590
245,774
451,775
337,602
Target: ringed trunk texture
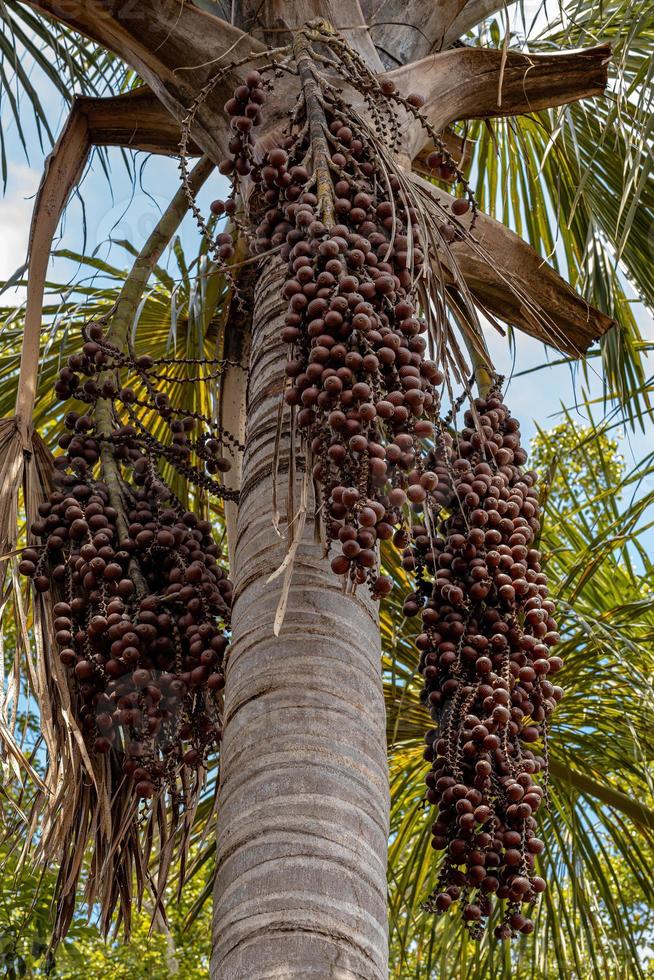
303,803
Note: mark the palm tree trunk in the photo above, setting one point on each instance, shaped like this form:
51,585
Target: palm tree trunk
303,804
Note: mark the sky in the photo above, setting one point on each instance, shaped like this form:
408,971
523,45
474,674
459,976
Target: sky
127,207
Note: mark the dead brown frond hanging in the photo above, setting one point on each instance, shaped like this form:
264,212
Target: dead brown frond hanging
25,468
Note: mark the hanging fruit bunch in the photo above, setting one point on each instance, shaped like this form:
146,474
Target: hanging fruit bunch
141,603
331,201
366,315
486,655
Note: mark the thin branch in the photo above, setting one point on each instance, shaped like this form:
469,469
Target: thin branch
632,808
318,129
150,254
481,363
236,335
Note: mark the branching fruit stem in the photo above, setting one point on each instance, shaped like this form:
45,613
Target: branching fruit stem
118,332
317,124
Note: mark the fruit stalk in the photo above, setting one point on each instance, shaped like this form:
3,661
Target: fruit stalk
317,128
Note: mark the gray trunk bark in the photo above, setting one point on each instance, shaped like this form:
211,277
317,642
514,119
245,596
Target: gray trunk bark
303,805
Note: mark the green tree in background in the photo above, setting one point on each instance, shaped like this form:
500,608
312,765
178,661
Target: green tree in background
577,464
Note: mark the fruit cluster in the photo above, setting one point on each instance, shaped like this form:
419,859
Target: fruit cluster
97,372
486,655
364,393
141,604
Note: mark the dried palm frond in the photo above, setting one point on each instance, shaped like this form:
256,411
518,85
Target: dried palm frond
24,460
11,472
18,470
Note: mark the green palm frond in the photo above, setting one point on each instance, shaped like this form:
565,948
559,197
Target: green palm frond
39,57
577,181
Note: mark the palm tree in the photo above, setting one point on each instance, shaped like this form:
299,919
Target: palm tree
303,802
